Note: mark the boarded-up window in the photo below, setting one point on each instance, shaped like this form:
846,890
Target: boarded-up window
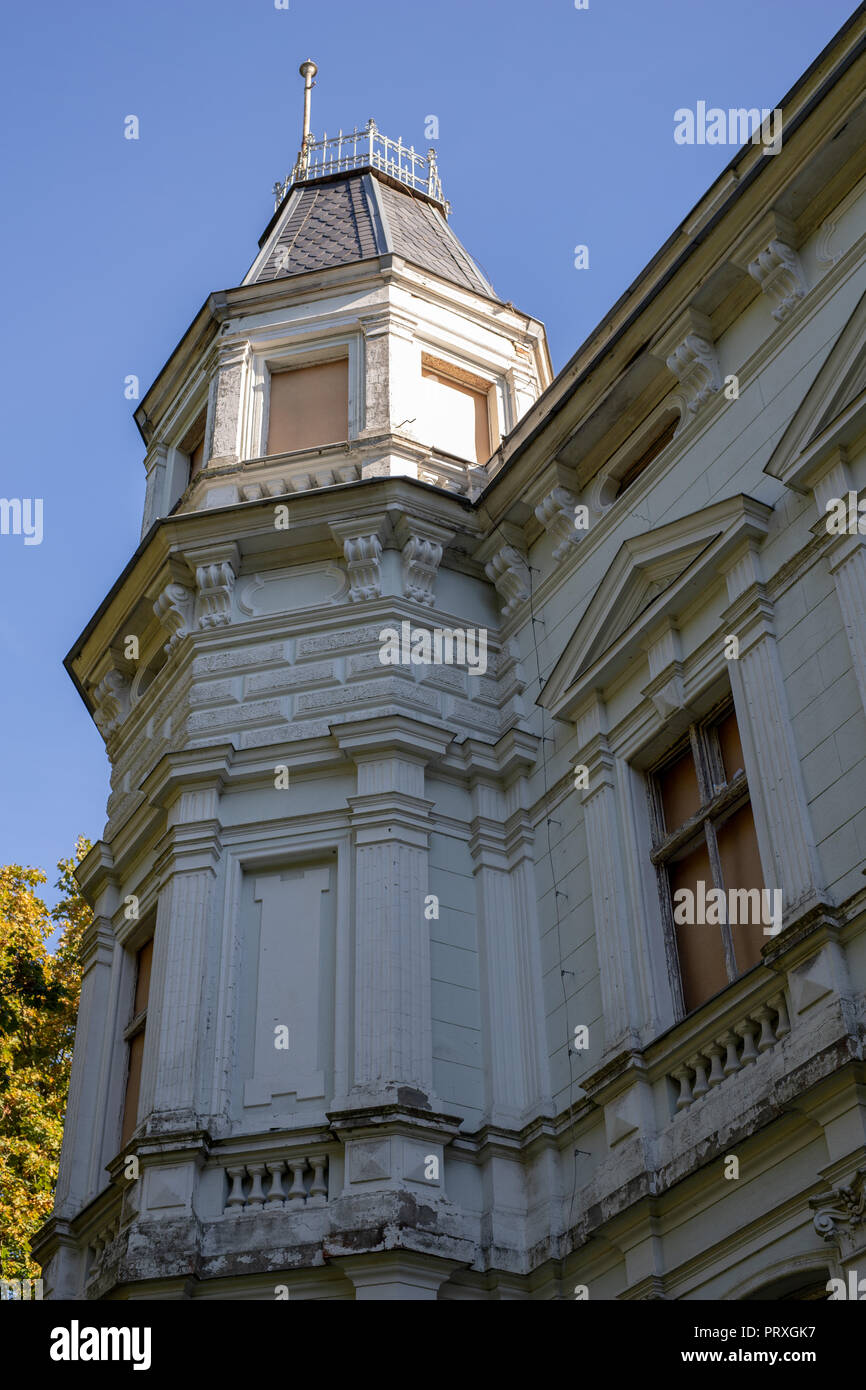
646,457
308,406
455,413
135,1038
704,839
192,445
195,458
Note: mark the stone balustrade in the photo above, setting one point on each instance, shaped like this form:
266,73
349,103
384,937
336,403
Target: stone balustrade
739,1046
289,1184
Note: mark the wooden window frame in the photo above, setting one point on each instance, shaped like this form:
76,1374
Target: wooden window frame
137,1024
720,799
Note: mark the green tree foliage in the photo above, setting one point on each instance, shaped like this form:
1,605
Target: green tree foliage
39,992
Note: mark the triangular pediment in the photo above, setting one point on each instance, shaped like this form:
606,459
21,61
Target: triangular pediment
654,576
832,412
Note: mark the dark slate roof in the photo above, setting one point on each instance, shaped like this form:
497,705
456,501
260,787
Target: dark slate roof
420,234
360,216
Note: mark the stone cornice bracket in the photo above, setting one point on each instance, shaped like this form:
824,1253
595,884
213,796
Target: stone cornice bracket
769,254
509,572
556,514
421,559
422,544
362,551
111,702
688,350
215,583
216,569
174,610
839,1211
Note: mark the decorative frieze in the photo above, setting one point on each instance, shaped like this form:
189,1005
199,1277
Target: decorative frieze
556,514
509,572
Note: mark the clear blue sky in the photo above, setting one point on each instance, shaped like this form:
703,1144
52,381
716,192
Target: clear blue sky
556,128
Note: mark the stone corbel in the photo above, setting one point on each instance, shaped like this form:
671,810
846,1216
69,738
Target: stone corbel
838,1213
174,610
770,257
509,572
688,350
111,702
362,551
556,514
421,545
216,569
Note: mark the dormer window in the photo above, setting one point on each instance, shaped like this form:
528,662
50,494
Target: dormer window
309,406
455,410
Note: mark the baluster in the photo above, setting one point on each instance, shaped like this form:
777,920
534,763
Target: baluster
699,1066
685,1098
768,1037
236,1196
297,1195
319,1188
275,1191
732,1058
747,1033
783,1026
340,149
716,1076
257,1196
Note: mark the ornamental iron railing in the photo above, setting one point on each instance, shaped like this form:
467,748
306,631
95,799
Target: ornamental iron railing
364,149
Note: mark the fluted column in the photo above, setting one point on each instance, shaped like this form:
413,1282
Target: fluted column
846,554
81,1160
186,869
784,833
508,951
609,893
390,825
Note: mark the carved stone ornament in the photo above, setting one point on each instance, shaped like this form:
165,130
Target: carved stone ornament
779,273
509,571
421,559
111,698
174,609
695,364
842,1209
215,583
556,514
363,556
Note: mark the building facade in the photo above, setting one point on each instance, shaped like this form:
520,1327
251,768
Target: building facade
481,909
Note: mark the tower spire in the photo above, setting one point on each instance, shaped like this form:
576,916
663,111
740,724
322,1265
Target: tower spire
308,71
